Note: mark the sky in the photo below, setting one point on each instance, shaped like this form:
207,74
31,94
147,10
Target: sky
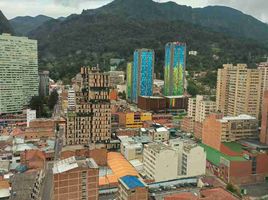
58,8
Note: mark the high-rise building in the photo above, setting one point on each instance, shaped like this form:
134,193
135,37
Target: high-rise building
18,72
175,64
142,74
90,122
239,90
264,124
76,179
129,81
71,99
43,83
263,67
132,187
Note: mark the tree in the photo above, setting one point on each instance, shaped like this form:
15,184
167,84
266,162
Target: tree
37,103
53,99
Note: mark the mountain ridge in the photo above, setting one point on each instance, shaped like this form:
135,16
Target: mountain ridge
5,26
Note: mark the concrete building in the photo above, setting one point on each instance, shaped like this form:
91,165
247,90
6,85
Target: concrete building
71,99
160,134
131,150
132,187
239,90
90,122
218,129
75,179
43,83
133,119
175,64
18,72
264,124
31,115
263,67
178,159
142,74
116,78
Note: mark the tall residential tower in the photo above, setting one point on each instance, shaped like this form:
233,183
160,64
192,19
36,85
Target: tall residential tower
18,72
142,74
175,64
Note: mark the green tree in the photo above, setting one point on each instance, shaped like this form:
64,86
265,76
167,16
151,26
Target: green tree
37,103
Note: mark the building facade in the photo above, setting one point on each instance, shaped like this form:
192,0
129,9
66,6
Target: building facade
43,83
90,122
129,81
76,179
264,124
18,72
239,90
142,74
178,159
218,129
175,64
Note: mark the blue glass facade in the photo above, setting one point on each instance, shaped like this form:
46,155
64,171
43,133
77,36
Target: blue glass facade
143,70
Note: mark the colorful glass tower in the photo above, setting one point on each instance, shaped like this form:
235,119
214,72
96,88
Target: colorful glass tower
129,80
142,74
175,64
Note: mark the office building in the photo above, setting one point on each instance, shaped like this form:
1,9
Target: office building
90,122
264,124
218,129
132,187
18,72
43,83
76,179
239,90
175,64
142,74
177,160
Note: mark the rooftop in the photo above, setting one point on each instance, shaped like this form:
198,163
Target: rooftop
132,182
239,117
214,156
234,146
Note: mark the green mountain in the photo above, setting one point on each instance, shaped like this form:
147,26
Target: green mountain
120,27
4,24
24,25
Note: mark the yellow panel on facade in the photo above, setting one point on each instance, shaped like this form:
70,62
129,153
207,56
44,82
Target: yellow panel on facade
146,116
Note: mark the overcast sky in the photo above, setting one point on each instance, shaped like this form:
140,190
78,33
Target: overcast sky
58,8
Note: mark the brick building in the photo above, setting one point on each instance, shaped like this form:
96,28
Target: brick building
132,187
218,129
75,179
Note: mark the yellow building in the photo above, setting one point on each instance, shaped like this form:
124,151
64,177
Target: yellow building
134,119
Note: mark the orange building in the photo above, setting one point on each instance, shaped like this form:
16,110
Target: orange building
76,179
40,128
264,124
33,159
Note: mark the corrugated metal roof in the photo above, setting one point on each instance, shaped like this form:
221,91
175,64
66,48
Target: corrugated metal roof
132,182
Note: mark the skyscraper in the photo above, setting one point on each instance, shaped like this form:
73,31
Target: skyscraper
239,90
90,122
142,74
175,64
18,72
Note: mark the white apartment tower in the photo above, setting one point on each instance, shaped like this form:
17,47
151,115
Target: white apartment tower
18,72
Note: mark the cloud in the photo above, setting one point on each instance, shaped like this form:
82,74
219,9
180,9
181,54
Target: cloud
77,3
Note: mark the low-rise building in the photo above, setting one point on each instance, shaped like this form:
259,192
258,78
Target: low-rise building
131,150
159,134
132,187
177,159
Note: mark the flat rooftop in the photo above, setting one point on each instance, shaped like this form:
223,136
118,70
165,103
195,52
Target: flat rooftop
132,182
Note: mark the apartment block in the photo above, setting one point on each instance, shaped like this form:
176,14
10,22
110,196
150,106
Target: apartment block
158,134
131,150
178,159
117,78
18,72
75,179
239,90
71,99
263,67
132,187
218,129
264,124
91,120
